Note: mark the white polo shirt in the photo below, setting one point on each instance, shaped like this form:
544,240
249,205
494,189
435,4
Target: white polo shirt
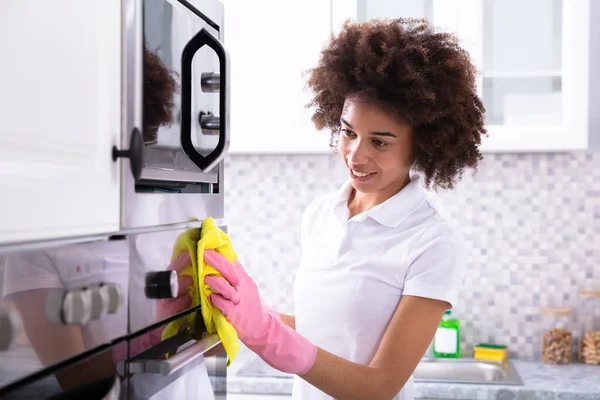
354,271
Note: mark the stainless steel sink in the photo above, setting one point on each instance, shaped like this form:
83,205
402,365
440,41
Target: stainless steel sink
466,370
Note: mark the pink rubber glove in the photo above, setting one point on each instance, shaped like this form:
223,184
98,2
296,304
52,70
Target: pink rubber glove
274,313
262,332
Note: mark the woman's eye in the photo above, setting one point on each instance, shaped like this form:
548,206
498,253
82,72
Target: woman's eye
346,132
379,143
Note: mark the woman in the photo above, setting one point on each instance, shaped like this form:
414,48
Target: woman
380,265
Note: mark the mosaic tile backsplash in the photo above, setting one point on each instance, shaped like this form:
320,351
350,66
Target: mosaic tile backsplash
531,223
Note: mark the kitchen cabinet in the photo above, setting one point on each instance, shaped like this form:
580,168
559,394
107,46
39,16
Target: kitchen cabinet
534,58
60,115
269,52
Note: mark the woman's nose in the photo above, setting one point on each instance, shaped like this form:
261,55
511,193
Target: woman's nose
357,154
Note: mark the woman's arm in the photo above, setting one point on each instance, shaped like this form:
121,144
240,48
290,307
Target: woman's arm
406,339
289,320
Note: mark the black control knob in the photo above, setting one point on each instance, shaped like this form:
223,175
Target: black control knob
135,153
161,285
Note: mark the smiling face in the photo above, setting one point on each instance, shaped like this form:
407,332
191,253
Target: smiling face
376,148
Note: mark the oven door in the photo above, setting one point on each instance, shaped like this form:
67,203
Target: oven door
176,125
163,319
84,378
59,306
155,290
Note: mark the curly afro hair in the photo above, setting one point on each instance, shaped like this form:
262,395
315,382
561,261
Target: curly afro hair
413,72
160,85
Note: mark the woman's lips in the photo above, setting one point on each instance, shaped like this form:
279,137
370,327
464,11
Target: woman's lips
361,176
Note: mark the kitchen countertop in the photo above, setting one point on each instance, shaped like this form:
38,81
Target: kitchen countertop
540,382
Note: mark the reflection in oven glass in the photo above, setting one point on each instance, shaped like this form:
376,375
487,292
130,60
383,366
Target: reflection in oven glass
94,383
69,300
160,90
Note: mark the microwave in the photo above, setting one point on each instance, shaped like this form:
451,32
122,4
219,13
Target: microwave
176,97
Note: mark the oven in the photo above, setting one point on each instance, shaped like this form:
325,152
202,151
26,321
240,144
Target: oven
176,121
87,320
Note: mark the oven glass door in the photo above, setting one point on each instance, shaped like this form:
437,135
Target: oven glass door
61,304
185,97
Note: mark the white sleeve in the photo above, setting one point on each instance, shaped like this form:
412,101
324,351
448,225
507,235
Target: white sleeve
27,271
436,265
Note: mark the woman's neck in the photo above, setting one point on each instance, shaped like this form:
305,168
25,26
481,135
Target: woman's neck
359,202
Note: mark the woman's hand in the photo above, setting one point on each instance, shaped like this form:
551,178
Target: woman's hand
236,295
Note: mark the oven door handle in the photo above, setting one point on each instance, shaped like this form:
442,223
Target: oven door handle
204,38
175,362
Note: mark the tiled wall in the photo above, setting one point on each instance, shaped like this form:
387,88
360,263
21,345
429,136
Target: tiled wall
532,225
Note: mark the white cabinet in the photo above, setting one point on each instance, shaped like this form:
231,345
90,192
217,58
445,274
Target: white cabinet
533,57
271,43
60,106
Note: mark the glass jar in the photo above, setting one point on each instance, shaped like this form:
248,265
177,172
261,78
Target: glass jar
557,336
589,317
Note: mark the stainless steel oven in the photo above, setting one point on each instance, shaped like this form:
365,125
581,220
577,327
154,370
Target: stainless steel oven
176,124
89,318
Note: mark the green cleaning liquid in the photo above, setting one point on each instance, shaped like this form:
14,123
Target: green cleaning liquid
446,343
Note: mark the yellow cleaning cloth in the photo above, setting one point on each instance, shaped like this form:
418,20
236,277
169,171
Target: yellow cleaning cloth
195,241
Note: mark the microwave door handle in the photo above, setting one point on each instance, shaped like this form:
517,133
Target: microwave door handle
204,38
176,362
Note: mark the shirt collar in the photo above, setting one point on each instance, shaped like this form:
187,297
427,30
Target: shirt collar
391,212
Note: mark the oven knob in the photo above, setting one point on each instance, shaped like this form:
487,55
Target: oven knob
10,327
210,82
161,285
69,307
210,123
99,297
115,297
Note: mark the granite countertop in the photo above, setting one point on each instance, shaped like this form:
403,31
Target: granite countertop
249,374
